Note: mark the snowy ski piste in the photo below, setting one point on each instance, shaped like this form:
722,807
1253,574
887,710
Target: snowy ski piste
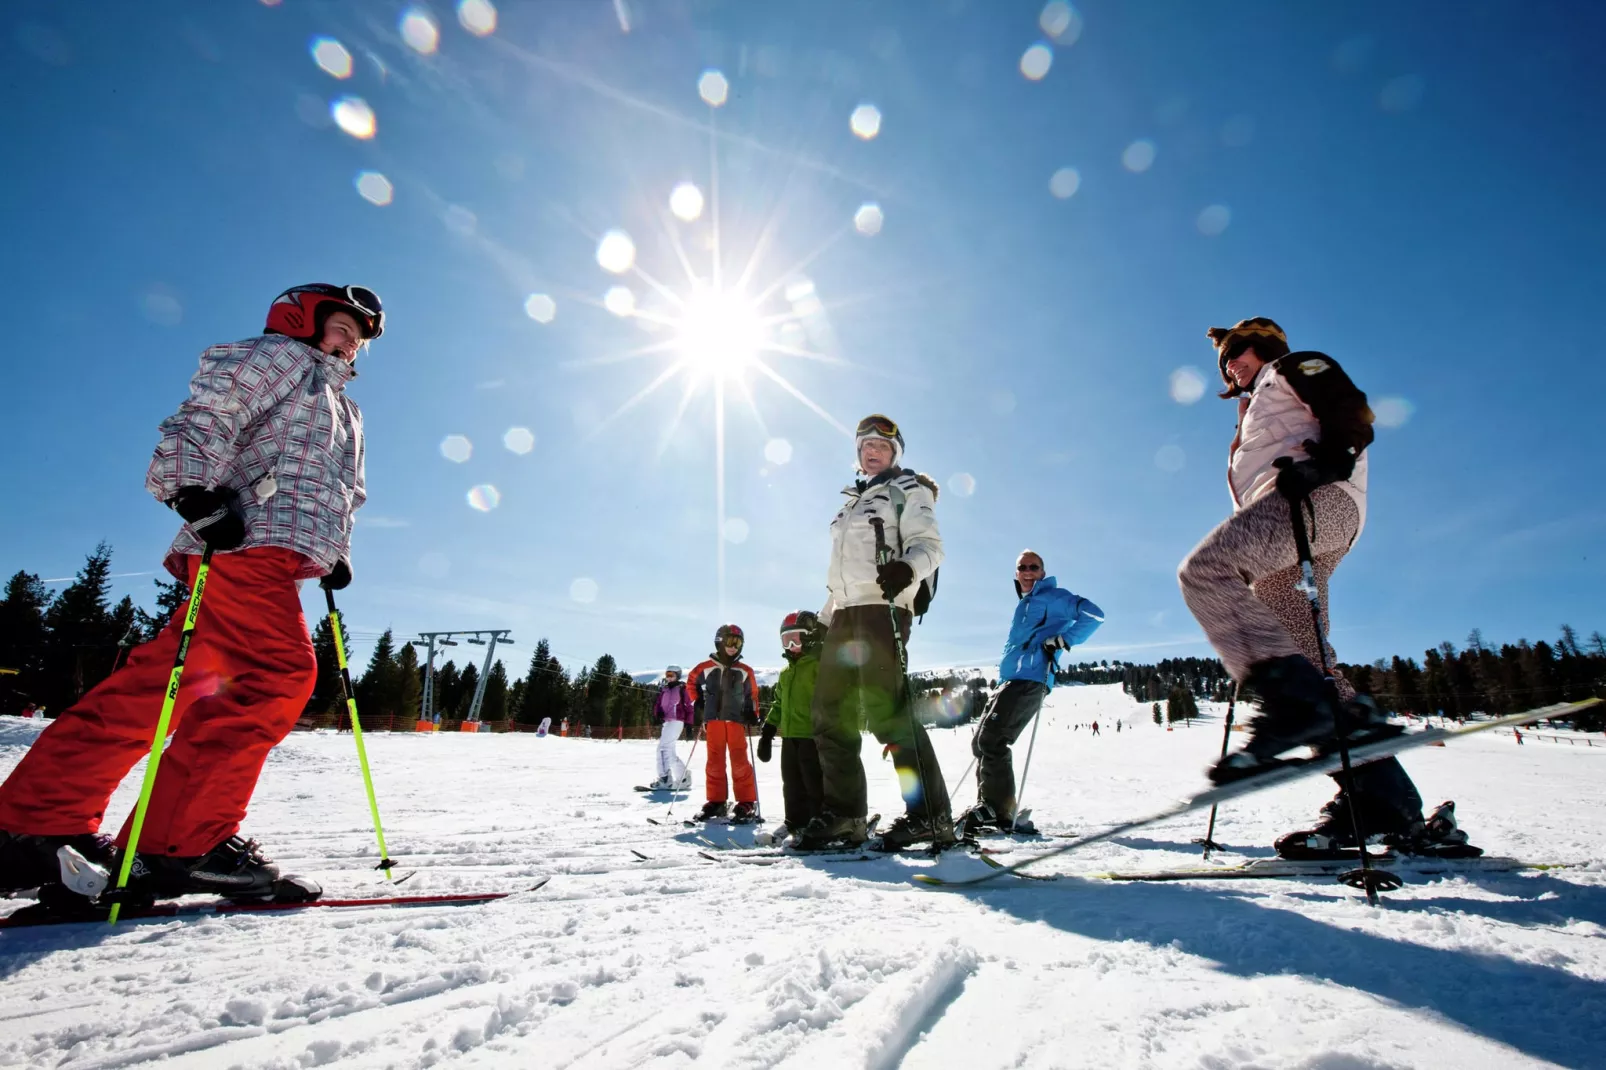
641,952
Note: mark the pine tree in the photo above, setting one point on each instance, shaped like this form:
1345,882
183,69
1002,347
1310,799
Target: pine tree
78,625
379,690
463,695
22,639
171,596
1157,719
410,685
326,692
601,690
493,707
446,687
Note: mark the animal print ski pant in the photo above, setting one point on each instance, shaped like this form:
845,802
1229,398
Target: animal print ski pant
1239,581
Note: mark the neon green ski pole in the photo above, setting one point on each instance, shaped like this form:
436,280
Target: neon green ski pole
356,731
162,723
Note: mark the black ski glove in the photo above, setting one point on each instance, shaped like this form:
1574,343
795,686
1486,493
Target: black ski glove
1056,643
214,516
766,743
1296,479
339,577
894,578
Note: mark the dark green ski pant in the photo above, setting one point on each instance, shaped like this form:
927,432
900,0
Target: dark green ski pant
861,686
1007,716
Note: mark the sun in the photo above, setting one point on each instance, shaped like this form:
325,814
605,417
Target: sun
720,332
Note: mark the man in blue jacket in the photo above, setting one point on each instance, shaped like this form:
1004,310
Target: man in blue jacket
1048,619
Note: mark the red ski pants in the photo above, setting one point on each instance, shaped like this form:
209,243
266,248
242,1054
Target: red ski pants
726,737
249,673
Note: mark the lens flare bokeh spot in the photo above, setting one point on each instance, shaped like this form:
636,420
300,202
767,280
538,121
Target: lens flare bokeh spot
355,117
1187,386
686,201
962,484
519,440
868,219
1213,220
713,88
374,188
457,448
616,253
1035,62
865,121
1139,156
419,30
332,57
540,307
583,590
484,497
478,17
1064,182
778,451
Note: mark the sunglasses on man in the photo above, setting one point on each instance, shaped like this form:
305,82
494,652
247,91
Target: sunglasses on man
1031,567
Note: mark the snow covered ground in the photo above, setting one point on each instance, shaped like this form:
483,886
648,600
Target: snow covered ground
671,960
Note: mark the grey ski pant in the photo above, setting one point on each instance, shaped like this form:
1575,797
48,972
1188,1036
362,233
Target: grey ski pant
1007,716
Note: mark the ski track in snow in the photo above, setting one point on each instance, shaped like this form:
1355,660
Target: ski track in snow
674,961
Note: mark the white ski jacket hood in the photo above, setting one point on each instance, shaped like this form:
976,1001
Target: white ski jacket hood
905,503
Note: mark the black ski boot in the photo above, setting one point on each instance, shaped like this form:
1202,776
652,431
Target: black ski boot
712,810
911,829
81,864
1298,707
1438,836
234,869
827,831
979,819
746,813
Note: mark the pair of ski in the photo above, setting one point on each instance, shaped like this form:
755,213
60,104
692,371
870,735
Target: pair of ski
1286,773
39,914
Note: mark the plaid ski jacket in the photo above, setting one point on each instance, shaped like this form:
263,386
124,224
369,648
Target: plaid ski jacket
268,418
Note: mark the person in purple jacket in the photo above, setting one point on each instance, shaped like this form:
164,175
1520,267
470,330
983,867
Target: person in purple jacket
671,709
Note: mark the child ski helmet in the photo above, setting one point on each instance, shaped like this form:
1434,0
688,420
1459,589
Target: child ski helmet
729,633
805,621
301,311
676,669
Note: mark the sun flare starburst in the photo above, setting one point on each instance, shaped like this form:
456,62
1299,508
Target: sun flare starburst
718,328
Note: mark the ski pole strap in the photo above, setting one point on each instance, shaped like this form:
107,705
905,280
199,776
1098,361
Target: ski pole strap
164,720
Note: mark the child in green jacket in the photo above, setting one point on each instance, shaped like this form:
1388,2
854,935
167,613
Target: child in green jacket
802,636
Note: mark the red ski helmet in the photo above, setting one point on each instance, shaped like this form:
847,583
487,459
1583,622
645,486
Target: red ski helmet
301,311
729,633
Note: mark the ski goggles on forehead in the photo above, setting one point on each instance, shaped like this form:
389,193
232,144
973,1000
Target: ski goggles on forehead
788,638
878,425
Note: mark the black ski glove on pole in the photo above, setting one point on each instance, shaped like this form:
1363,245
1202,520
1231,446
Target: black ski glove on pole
894,578
339,577
214,516
1296,479
766,743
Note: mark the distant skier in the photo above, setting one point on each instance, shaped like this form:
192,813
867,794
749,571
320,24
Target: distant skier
724,695
264,462
671,712
868,613
1303,429
802,636
1095,728
1048,618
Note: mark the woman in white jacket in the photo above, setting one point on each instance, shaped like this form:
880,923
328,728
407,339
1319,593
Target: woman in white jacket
885,550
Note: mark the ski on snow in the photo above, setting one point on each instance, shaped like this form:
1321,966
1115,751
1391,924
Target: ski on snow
35,915
1265,868
1287,773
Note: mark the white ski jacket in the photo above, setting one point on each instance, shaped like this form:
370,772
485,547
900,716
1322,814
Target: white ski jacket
1302,396
905,503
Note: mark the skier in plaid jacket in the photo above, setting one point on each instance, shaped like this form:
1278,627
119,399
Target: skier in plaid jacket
264,462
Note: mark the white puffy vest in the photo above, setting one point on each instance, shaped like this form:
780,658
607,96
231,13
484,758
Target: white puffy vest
1275,423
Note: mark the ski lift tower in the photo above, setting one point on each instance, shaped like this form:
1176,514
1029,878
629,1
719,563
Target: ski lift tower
474,637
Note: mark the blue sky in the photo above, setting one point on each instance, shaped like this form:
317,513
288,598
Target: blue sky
1409,188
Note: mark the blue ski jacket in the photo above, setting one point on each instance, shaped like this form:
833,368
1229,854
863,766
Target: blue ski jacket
1047,612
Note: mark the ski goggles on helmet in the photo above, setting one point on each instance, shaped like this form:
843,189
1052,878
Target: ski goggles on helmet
360,299
796,637
877,424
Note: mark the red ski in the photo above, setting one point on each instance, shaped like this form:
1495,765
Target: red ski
36,915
